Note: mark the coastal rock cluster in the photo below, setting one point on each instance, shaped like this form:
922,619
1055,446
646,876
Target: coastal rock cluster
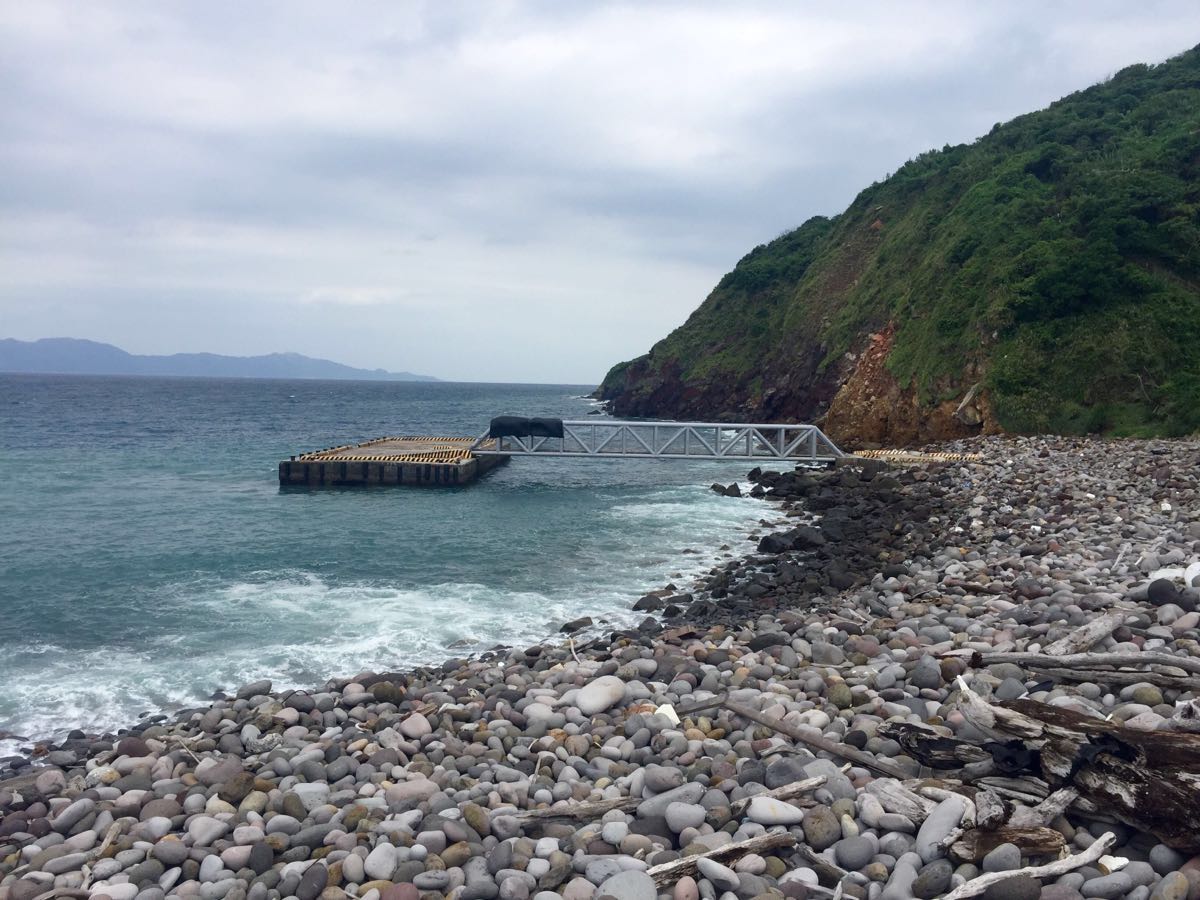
683,758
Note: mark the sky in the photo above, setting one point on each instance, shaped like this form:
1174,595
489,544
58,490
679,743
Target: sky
486,191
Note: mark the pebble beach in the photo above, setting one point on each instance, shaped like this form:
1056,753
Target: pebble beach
610,764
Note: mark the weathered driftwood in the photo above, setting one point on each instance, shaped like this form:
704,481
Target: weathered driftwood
976,843
670,872
955,789
973,773
1116,676
977,886
114,830
930,748
1032,792
828,872
111,835
787,792
587,811
991,810
1148,779
845,751
700,705
1085,636
894,797
1094,660
1046,811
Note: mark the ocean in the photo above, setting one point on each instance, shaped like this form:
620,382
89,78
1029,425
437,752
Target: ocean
149,556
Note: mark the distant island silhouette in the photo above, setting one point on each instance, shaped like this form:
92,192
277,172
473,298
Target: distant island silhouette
74,356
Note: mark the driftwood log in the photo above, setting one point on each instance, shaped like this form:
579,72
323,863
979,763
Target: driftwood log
1085,636
786,792
828,872
1162,669
879,765
1148,779
670,872
895,797
977,886
930,748
976,843
1127,661
588,811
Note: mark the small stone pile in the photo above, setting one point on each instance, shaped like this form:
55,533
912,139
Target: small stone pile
593,769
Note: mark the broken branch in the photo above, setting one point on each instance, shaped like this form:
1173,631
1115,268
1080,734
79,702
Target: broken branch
670,872
977,886
854,755
787,792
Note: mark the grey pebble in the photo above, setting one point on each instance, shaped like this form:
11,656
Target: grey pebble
1004,858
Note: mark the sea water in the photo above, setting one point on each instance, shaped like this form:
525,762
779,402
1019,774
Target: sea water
149,557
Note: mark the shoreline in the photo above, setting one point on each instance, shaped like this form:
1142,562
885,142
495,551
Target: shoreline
836,630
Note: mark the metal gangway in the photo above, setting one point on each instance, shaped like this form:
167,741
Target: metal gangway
608,438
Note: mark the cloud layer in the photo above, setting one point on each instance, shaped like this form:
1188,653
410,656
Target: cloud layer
499,191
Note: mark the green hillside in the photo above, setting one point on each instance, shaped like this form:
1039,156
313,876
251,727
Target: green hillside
1055,262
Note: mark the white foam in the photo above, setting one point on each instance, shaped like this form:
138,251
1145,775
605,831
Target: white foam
299,628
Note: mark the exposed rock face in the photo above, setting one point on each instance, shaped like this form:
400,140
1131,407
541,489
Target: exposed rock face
859,403
872,408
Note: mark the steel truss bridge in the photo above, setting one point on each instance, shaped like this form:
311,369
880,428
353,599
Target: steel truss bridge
609,439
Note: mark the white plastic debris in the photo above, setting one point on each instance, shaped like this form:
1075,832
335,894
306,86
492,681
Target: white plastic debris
669,711
1171,573
1110,864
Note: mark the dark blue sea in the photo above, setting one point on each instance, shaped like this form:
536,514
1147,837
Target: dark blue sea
149,557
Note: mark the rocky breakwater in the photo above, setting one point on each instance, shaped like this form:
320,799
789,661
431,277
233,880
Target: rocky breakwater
776,744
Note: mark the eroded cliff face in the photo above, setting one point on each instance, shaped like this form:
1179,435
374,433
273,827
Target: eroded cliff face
872,409
857,401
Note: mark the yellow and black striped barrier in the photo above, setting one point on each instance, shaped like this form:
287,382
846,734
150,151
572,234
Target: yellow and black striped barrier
916,456
445,450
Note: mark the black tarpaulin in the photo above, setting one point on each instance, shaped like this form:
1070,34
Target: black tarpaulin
548,428
520,426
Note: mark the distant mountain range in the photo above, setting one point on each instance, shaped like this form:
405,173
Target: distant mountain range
72,356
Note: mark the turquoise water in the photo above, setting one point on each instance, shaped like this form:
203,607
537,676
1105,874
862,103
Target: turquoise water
150,558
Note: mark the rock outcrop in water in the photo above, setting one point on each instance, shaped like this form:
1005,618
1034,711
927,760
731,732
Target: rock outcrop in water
768,735
1045,278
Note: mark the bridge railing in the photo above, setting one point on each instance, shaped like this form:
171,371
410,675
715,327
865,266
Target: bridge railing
608,438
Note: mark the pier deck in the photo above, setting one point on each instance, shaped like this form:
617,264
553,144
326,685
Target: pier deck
389,460
459,460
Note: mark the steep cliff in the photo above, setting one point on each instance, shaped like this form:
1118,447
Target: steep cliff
1044,278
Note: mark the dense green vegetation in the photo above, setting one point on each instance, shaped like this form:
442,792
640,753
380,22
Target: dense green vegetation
1059,255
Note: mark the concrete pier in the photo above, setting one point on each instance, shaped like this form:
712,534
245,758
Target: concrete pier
390,461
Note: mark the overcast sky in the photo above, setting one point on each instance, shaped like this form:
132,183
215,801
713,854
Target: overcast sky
491,191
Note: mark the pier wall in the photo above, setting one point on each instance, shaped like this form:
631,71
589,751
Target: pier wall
346,473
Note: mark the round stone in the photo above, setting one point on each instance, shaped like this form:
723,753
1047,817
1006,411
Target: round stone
854,852
685,815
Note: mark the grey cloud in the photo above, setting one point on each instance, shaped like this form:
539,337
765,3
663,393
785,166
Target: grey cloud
248,178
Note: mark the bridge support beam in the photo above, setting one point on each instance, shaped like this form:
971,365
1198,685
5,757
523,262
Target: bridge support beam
608,438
